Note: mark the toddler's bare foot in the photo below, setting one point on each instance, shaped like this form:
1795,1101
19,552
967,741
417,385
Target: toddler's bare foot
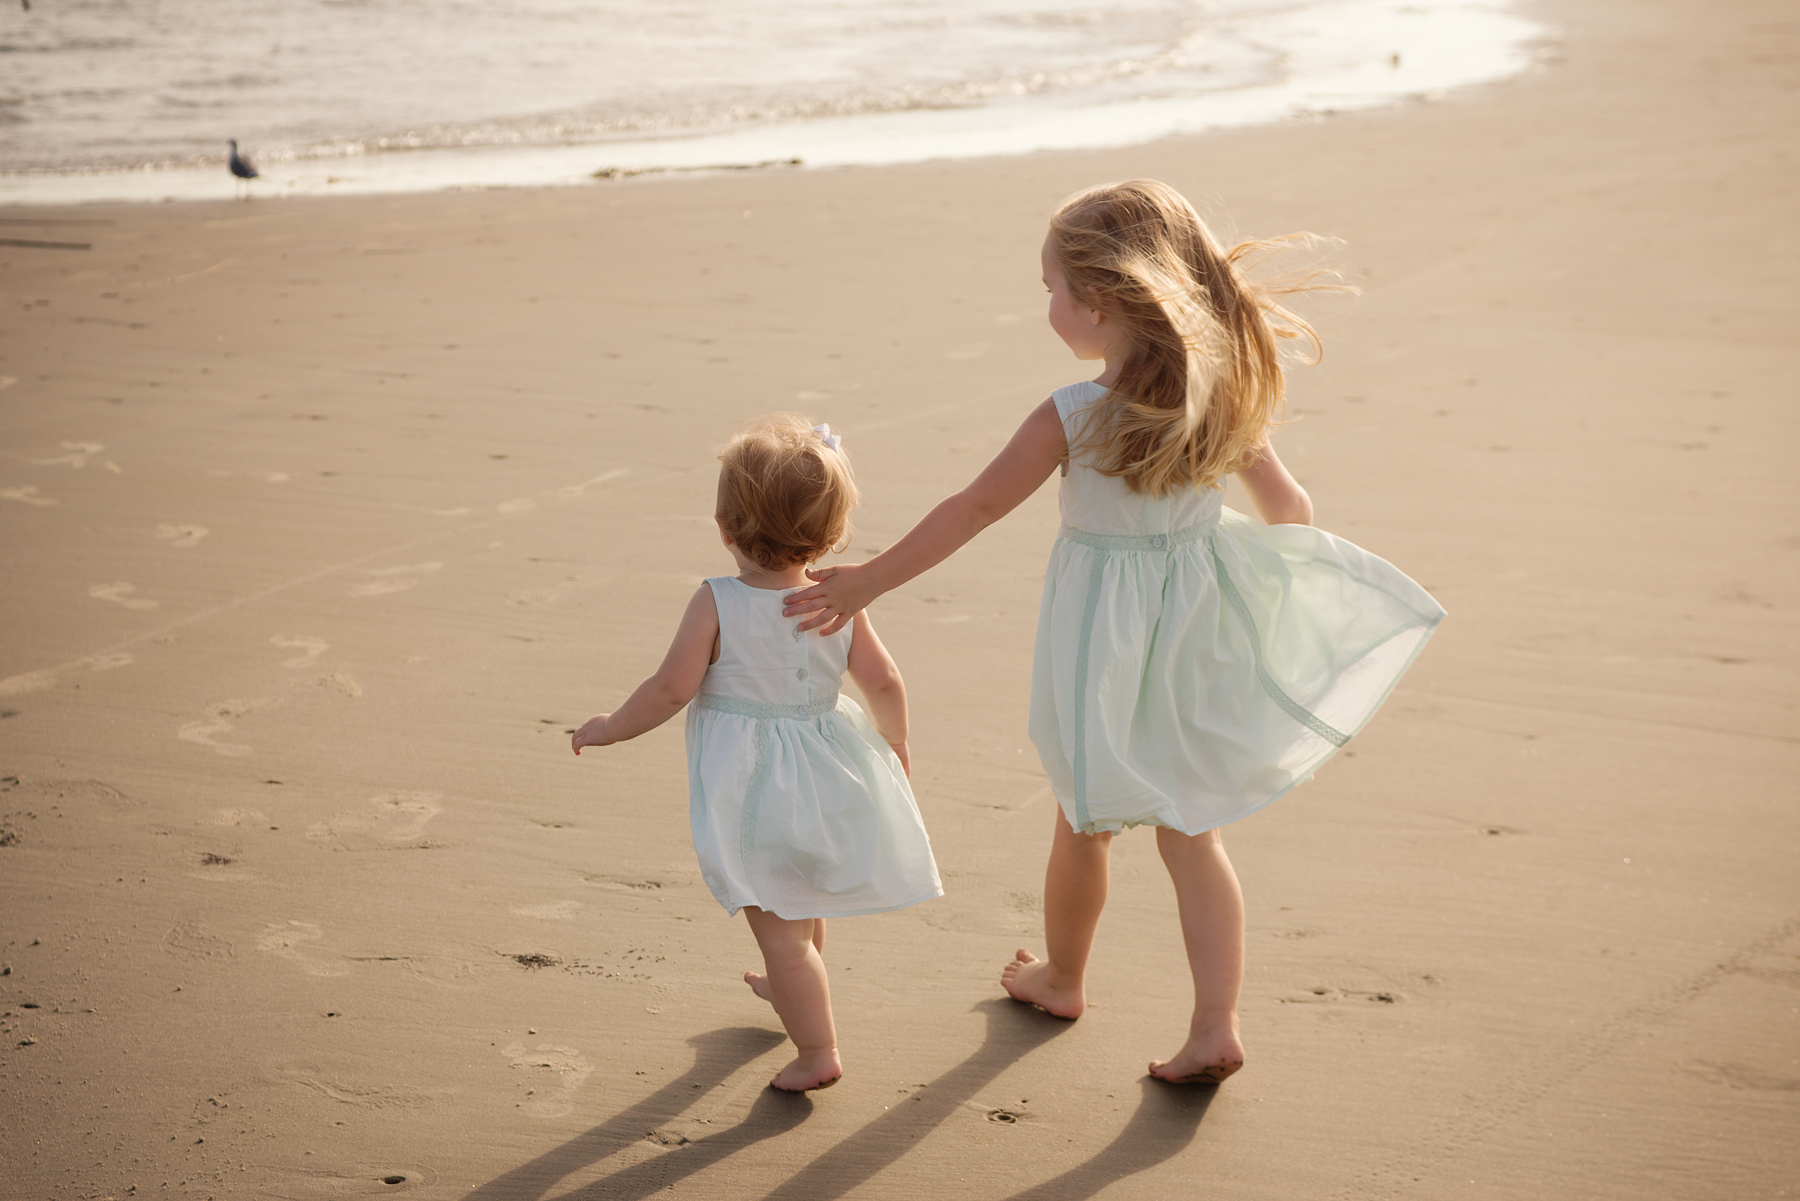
759,984
1204,1059
1028,979
810,1070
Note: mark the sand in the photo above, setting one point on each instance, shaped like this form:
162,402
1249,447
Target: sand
324,521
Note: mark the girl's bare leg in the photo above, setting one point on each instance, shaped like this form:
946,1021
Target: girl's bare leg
1212,927
798,989
1074,894
759,983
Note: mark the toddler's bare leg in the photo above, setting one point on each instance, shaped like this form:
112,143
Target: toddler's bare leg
759,983
1212,927
1074,894
801,994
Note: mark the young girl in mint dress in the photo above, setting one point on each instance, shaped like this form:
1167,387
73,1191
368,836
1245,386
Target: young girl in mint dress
1192,664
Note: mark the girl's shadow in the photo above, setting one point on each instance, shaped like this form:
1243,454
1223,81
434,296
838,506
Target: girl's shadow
1013,1031
1166,1121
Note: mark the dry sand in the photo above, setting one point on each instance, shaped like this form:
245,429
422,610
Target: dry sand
324,521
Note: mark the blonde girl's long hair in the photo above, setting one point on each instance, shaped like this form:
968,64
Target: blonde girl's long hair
1202,379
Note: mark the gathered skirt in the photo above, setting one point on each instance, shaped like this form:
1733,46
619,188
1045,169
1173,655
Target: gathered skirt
1188,679
803,814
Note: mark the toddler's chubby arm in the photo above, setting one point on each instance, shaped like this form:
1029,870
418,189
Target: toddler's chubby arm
661,696
1278,496
874,672
1037,449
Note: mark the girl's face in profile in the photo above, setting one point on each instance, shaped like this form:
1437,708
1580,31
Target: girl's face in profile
1084,331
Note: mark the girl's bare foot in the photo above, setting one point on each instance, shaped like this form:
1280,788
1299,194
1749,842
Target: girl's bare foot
810,1070
759,984
1204,1059
1028,978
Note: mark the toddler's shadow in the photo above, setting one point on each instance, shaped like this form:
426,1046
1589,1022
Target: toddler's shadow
1013,1031
717,1054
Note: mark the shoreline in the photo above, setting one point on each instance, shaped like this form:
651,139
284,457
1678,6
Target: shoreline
326,520
1425,65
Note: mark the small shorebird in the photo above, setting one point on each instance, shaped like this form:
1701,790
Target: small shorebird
241,168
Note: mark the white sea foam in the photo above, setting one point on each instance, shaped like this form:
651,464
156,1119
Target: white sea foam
133,99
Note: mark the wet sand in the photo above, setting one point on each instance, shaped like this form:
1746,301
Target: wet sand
325,521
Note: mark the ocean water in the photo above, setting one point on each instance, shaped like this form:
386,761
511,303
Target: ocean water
134,99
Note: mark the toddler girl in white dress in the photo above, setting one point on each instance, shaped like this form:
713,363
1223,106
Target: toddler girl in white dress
800,804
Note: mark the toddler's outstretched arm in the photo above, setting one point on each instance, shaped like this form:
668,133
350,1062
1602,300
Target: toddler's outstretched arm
1036,449
874,672
661,696
1279,498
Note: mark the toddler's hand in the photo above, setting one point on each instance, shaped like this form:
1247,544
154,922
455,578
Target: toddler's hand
591,733
905,757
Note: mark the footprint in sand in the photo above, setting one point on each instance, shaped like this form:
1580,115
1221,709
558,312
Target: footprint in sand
290,940
572,491
108,661
28,493
181,534
267,477
555,911
30,681
314,647
219,718
241,817
393,579
120,594
342,682
81,452
189,939
392,817
572,1070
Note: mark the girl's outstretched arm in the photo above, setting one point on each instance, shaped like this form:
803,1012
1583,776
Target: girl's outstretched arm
1279,498
661,696
1036,449
874,672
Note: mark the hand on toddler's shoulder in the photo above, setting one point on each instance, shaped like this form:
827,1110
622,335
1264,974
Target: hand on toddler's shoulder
591,733
837,595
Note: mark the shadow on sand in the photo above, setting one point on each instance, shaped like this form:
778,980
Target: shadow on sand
1166,1121
717,1054
1013,1031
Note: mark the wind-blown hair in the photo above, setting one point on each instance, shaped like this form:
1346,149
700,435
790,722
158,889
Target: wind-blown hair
784,495
1202,379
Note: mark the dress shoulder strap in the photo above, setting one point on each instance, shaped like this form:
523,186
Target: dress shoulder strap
1072,400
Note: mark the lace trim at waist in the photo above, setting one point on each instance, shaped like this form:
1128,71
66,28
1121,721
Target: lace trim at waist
743,708
1142,542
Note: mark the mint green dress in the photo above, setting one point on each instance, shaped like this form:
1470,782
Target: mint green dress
1192,664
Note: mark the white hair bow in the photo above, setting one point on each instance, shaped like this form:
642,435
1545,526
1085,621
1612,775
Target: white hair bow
827,437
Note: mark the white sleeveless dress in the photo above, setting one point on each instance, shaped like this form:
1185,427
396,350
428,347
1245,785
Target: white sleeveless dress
798,805
1193,664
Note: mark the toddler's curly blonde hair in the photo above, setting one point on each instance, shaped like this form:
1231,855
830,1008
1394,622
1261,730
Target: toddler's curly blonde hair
784,494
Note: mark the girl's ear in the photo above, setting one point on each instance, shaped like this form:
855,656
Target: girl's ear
1095,316
723,536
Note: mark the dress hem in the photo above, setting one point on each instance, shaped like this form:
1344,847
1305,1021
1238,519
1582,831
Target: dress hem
732,910
1119,826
